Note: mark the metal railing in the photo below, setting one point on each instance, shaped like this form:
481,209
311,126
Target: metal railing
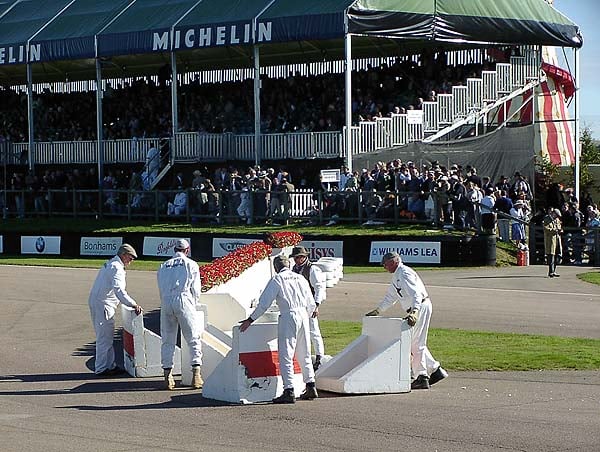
579,245
223,206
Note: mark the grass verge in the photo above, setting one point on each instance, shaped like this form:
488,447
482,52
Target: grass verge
482,351
591,277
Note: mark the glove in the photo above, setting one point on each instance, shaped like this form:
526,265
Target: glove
373,313
412,317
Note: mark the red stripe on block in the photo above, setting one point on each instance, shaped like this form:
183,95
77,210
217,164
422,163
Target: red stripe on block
128,343
263,364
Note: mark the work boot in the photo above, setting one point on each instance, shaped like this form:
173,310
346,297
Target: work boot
196,378
438,375
310,392
169,380
317,363
287,397
421,382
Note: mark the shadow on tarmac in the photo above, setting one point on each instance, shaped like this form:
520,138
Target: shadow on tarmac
503,277
194,400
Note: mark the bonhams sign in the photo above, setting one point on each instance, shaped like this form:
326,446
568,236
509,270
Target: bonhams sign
161,246
99,246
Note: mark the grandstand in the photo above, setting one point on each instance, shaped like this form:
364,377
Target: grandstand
265,79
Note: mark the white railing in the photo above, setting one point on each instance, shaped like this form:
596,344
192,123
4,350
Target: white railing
383,130
302,202
368,136
490,90
446,107
399,129
460,96
474,94
503,78
431,117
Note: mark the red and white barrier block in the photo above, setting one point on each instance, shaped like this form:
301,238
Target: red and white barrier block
250,371
141,347
376,362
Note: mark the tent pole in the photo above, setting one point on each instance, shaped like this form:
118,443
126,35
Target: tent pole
30,125
348,98
99,131
256,105
577,135
174,105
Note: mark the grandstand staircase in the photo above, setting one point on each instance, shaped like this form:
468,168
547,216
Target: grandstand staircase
466,105
163,172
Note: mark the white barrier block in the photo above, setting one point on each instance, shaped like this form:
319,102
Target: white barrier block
376,362
250,371
141,347
247,287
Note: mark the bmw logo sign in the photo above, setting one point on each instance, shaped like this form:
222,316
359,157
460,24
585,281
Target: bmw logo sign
40,244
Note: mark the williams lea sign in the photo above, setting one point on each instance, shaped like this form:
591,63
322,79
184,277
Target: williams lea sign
411,252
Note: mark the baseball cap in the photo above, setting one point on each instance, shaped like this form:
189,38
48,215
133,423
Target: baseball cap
126,248
181,244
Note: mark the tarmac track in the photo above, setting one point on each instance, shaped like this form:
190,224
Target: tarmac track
49,400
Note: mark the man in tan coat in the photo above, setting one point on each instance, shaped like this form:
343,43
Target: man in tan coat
552,242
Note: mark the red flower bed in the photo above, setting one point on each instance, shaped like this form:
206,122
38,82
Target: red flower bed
232,265
282,239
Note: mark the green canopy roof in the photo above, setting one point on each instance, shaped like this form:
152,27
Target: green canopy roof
134,37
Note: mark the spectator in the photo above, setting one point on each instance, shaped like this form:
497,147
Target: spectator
179,204
552,243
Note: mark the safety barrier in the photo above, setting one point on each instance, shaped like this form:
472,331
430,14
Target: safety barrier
141,347
333,268
376,362
250,371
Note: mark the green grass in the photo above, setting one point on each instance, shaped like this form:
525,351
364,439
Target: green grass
482,351
591,277
89,225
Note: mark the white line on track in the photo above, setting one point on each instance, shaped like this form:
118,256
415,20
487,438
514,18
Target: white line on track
546,292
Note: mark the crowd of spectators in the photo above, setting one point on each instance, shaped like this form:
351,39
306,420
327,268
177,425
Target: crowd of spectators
297,103
453,197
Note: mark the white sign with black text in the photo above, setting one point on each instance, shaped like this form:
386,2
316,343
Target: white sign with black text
40,244
320,248
100,246
414,117
411,252
161,246
222,247
330,175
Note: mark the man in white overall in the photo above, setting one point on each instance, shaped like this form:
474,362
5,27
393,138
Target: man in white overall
292,294
106,294
408,288
316,280
179,286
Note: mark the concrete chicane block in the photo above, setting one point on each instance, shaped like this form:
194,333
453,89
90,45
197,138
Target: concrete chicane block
141,347
376,362
250,371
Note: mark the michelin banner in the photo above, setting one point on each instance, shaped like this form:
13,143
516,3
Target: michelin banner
100,246
162,246
411,252
40,244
